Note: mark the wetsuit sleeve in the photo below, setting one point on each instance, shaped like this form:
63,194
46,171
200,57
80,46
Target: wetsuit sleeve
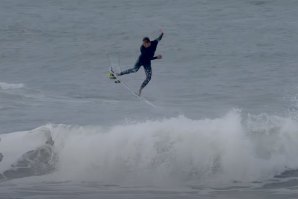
160,37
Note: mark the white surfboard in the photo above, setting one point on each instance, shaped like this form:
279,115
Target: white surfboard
118,80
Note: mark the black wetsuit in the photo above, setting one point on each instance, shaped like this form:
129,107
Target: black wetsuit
147,54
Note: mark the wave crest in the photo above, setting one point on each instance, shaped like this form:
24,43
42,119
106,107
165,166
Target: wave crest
178,149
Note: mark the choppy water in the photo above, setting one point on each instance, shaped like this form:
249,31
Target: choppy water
224,123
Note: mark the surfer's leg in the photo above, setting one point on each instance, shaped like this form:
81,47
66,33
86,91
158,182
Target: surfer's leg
148,72
131,70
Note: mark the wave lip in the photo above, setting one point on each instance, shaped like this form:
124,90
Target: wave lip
8,86
26,154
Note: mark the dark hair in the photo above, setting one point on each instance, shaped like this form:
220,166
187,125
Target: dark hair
146,39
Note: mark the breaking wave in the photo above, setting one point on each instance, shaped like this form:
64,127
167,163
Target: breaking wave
181,150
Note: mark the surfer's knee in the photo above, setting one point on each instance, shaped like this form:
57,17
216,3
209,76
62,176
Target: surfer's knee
134,70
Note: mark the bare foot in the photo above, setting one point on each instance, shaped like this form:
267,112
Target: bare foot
140,91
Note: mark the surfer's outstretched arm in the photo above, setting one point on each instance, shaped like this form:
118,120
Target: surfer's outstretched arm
160,37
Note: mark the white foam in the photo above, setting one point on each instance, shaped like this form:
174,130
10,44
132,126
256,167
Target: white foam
13,145
7,86
177,150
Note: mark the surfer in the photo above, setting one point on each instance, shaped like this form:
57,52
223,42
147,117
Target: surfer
147,49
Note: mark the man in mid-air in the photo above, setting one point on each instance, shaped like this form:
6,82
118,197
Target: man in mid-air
147,49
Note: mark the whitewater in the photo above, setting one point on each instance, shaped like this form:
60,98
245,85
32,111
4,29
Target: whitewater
219,119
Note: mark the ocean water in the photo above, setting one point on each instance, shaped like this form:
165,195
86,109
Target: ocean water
219,118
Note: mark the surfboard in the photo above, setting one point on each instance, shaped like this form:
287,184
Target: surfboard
113,76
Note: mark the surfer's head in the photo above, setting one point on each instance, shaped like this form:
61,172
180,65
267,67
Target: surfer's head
146,42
